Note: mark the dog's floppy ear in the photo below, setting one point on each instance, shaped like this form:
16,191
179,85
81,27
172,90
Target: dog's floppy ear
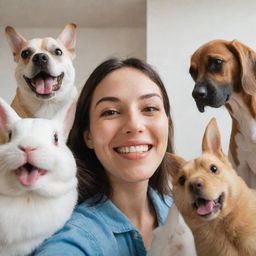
247,60
211,140
174,163
15,40
68,37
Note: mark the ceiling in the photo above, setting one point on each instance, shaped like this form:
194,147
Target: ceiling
85,13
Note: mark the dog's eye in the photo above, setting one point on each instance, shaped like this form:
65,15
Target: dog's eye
215,64
58,52
182,180
56,139
218,61
25,54
213,168
193,72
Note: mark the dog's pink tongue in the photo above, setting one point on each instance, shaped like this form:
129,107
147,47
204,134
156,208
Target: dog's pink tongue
27,178
45,86
205,208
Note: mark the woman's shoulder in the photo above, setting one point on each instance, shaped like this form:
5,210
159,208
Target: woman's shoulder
90,216
87,232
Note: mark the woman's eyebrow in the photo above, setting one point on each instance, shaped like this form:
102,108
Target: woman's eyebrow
149,95
115,99
109,98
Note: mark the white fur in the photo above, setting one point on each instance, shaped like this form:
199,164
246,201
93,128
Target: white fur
173,238
246,141
30,214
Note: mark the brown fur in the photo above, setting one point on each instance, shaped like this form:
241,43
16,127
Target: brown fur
20,108
231,231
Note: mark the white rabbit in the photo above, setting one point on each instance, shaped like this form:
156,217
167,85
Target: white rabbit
37,180
173,238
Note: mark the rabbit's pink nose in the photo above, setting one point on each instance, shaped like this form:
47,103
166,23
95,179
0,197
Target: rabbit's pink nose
27,149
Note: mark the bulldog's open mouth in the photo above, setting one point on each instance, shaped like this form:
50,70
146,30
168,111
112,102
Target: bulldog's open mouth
205,208
28,174
44,85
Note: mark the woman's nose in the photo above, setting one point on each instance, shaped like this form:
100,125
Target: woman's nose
133,124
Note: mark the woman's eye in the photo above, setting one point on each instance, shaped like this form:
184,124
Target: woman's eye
150,109
109,113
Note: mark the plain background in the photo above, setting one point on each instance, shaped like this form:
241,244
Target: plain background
165,33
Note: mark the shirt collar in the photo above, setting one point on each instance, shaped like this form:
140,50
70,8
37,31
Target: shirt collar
119,222
161,206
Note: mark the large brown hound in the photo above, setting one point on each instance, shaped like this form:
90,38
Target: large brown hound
225,74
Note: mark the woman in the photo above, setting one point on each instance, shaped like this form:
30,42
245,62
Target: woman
121,132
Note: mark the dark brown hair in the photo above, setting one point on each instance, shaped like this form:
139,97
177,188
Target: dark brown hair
91,174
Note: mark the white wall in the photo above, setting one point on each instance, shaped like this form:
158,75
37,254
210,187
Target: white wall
93,46
175,29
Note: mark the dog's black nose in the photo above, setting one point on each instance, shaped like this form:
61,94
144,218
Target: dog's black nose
40,59
196,186
199,92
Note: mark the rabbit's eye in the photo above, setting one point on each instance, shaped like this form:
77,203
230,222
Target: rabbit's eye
9,135
56,139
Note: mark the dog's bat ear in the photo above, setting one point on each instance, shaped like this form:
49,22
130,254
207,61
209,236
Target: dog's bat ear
247,60
15,40
174,163
68,37
212,140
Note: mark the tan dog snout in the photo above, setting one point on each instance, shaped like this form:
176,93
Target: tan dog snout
196,186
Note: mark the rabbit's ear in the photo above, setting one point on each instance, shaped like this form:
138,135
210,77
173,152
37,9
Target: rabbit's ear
7,115
66,118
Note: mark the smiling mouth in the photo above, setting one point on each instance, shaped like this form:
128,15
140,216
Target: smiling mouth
28,174
206,208
44,85
133,149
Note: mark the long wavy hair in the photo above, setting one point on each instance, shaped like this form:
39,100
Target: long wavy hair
92,178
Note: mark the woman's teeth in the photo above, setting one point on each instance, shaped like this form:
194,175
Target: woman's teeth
133,149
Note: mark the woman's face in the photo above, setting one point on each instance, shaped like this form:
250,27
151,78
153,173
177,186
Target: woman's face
128,125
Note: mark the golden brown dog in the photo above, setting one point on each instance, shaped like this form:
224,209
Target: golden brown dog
215,202
225,74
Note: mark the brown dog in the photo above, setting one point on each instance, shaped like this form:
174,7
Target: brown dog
225,74
215,202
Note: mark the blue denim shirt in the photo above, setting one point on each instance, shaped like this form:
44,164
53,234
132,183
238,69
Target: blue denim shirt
101,230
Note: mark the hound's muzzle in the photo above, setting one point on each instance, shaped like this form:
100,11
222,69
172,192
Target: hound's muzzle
206,93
